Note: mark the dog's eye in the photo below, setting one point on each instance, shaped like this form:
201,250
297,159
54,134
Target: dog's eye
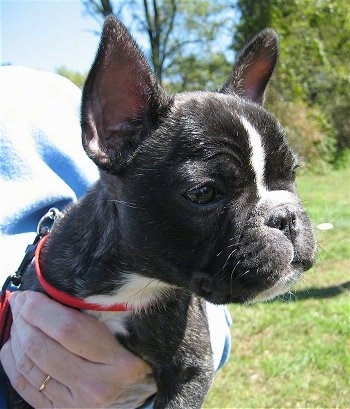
204,195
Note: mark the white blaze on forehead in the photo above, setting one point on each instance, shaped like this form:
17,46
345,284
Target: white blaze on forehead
257,156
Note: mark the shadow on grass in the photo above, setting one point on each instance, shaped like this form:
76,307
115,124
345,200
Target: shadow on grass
313,292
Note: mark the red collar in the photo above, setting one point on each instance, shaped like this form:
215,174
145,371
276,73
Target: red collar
65,298
5,317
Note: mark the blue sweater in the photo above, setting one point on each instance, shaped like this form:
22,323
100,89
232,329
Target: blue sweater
42,164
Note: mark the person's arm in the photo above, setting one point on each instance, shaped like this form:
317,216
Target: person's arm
97,370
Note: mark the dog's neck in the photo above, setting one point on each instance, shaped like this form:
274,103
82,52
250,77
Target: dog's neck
79,284
65,298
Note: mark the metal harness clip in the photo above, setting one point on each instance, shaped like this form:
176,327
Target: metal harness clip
44,227
50,216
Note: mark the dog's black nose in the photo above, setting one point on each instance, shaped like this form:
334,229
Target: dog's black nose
285,220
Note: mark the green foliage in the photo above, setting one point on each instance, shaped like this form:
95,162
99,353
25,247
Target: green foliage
188,44
307,130
209,72
254,17
180,35
200,46
343,159
76,77
313,73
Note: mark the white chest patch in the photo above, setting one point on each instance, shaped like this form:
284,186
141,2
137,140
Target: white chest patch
257,156
114,321
137,293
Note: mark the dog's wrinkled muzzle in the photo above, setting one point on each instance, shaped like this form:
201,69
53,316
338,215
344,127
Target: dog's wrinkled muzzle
275,246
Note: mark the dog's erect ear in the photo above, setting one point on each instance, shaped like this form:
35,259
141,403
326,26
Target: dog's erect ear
254,67
121,99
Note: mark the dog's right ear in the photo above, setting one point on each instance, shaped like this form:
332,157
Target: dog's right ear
121,99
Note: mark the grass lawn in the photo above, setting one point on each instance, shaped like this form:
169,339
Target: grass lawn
295,352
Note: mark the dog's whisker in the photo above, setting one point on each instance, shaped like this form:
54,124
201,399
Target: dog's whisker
143,296
233,270
126,204
228,258
232,279
242,275
226,248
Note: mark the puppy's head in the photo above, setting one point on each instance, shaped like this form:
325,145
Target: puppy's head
202,182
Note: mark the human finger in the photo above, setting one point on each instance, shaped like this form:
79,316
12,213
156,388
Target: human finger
78,383
122,378
72,329
18,381
22,335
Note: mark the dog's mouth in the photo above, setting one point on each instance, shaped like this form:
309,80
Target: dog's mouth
248,286
265,263
280,287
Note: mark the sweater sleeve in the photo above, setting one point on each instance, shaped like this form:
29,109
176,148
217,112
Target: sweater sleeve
42,163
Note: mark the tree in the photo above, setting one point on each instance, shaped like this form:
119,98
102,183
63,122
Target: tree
76,77
178,34
312,79
254,17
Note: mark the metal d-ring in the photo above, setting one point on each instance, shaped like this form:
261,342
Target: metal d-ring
43,229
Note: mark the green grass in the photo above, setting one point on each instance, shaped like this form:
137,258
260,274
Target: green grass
295,353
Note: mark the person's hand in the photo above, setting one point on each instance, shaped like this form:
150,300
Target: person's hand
87,365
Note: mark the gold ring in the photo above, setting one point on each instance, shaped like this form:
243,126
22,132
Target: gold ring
43,385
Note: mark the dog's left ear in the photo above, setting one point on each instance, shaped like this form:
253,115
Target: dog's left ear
254,67
121,99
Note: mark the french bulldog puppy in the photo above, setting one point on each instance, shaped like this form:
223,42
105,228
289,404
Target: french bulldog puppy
196,202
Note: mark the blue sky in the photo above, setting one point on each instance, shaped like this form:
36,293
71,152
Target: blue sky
47,34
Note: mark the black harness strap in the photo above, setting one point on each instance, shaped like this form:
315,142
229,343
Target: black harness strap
13,282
